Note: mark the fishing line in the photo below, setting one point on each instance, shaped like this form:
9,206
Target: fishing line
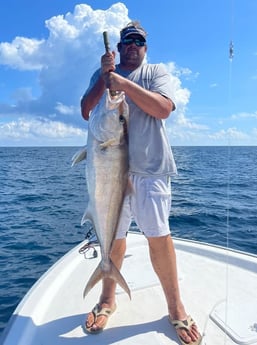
229,93
230,70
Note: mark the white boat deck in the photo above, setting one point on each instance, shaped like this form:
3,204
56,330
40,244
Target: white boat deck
218,287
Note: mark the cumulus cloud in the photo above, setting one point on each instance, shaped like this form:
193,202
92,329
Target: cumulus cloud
31,129
181,95
22,54
63,63
223,137
65,59
233,135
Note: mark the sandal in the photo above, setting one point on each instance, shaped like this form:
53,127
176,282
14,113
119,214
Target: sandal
98,311
186,325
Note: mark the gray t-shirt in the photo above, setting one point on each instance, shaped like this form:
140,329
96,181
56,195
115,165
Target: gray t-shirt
149,149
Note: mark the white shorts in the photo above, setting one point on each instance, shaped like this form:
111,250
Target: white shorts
148,205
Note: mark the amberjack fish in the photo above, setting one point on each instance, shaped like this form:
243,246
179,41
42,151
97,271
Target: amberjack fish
107,178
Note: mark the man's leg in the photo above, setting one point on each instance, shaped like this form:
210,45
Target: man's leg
163,259
107,298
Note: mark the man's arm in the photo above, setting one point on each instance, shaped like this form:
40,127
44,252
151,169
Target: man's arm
150,102
90,100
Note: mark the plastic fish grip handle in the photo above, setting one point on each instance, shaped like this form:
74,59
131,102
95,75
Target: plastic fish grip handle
107,49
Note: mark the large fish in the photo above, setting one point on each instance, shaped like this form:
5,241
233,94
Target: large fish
107,178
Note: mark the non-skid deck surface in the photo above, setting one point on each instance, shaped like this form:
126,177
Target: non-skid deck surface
54,311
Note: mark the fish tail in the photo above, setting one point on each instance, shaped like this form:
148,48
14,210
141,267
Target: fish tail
117,276
94,279
112,273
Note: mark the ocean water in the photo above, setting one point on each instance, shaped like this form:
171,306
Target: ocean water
42,199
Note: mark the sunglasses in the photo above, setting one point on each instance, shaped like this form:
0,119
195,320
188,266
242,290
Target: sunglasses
137,41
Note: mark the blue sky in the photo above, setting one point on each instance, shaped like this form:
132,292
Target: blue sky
50,48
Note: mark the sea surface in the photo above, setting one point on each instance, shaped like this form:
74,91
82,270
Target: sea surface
42,200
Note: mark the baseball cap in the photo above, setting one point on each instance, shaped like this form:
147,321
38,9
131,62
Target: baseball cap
131,29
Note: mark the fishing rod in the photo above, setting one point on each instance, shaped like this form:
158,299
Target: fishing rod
106,42
108,50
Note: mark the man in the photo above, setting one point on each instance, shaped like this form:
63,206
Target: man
148,92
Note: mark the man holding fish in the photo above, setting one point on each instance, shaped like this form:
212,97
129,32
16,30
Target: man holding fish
148,92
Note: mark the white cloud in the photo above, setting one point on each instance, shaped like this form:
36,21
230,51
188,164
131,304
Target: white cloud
203,136
234,136
184,72
67,57
65,61
67,110
230,133
244,116
39,131
22,54
181,95
184,122
181,129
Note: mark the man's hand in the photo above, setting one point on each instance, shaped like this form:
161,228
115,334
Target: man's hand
113,81
108,62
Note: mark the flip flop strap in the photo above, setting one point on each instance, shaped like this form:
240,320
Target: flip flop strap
186,324
97,311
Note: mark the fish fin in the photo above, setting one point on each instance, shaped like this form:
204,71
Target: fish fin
117,276
107,143
94,279
86,217
79,156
